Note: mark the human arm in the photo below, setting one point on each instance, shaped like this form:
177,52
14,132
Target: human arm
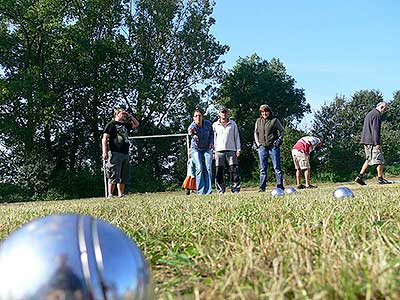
134,122
237,140
281,133
104,143
214,128
256,139
376,132
211,137
192,129
280,129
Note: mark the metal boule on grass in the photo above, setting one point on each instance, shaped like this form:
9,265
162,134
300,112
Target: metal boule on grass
342,192
290,190
276,192
72,257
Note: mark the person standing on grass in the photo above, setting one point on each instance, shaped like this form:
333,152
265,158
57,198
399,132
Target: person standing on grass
268,133
371,139
202,144
301,158
227,148
116,150
189,184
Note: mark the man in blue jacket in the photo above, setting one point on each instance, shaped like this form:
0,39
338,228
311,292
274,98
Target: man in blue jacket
371,139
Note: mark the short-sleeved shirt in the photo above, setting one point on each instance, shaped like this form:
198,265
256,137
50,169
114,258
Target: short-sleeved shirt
119,133
307,144
371,132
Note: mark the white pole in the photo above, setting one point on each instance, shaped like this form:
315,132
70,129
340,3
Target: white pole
157,136
188,146
165,135
105,179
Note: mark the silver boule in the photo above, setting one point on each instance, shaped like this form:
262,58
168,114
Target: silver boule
342,192
277,192
72,257
290,190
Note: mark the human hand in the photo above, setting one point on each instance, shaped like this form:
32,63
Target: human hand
277,142
105,155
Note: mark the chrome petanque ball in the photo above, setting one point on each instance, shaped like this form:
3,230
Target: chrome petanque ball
342,192
277,192
290,190
72,257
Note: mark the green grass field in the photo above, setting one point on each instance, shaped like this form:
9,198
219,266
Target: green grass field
306,245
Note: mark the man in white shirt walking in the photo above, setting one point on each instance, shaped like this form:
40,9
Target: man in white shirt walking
227,149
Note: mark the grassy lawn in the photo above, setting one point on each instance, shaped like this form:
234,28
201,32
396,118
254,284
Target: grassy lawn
307,245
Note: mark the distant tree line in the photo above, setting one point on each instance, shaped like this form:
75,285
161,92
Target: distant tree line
66,65
253,81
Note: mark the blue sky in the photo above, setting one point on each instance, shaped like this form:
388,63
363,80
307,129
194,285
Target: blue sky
330,47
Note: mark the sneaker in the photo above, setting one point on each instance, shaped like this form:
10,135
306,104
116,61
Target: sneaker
121,196
360,181
311,186
384,181
301,186
110,196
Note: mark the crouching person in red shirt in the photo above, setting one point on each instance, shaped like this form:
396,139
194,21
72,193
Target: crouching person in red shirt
301,158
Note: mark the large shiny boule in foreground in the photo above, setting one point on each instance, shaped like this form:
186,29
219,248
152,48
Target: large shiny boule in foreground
342,192
72,257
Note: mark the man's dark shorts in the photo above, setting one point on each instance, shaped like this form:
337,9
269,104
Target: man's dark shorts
118,167
374,155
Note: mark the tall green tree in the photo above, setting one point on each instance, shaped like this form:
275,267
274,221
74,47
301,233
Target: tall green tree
254,81
66,65
174,60
28,96
57,64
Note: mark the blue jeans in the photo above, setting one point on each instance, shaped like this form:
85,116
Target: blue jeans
202,159
275,154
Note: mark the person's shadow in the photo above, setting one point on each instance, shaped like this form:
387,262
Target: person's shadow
64,284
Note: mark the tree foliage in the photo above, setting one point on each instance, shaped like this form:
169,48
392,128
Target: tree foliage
66,65
254,81
340,124
173,52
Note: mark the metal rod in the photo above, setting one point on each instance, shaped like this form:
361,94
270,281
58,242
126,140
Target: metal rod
166,135
157,136
105,179
188,146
